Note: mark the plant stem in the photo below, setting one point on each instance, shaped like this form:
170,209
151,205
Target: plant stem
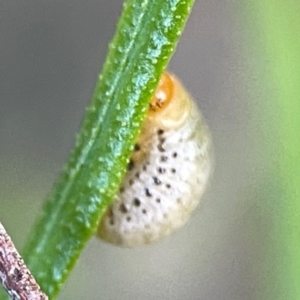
14,275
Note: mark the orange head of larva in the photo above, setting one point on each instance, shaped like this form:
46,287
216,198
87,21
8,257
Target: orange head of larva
170,104
163,94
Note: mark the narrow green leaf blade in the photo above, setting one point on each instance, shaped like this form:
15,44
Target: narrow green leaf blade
146,37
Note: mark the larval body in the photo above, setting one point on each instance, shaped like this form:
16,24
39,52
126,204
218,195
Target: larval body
167,173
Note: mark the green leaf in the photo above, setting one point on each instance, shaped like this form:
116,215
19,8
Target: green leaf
146,37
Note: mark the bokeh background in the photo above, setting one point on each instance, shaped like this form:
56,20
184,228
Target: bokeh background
50,55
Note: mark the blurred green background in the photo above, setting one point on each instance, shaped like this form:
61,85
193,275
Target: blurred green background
238,61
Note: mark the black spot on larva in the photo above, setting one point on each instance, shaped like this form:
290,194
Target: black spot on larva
147,192
121,189
175,154
110,213
136,202
160,131
144,211
168,186
111,216
156,181
137,175
161,170
128,219
123,208
130,181
130,165
163,158
160,147
144,167
158,200
137,147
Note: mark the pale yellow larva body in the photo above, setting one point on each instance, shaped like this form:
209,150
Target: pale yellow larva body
167,174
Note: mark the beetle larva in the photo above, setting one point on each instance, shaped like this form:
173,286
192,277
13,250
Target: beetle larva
167,172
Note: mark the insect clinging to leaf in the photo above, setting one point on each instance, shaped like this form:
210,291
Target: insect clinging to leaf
167,172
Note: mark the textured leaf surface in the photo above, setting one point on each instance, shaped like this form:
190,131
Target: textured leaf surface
146,37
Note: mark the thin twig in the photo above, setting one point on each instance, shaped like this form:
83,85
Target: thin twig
15,276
